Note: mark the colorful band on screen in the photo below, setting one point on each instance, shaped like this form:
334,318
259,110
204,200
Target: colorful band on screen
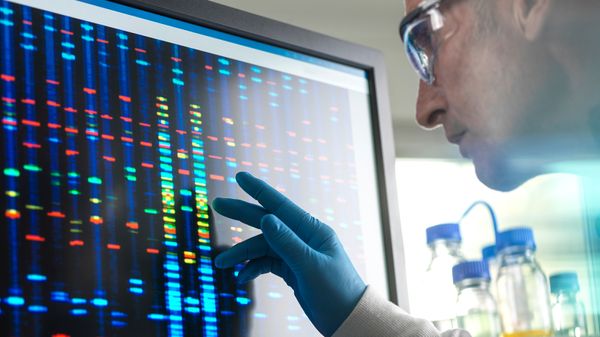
111,143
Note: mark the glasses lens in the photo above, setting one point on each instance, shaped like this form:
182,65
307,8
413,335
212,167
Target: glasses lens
418,41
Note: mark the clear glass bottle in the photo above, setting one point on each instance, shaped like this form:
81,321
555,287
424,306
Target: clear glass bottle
445,244
522,288
476,310
568,311
489,257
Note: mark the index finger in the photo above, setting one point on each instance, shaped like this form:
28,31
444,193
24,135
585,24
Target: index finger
297,219
248,213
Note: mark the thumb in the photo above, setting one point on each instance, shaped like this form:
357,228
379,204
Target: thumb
292,250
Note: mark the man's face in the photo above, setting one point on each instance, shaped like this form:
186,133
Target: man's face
493,93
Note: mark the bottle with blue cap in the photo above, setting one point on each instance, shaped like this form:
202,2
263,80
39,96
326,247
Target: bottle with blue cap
489,257
445,243
567,310
476,310
522,288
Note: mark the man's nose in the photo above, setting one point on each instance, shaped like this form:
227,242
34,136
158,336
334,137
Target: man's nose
431,106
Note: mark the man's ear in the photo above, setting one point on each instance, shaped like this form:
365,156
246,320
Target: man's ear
531,16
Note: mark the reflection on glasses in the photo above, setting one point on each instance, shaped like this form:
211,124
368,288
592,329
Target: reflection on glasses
419,31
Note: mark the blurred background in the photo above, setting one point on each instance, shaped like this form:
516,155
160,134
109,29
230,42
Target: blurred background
435,185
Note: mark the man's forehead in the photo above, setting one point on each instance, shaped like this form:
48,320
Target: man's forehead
410,5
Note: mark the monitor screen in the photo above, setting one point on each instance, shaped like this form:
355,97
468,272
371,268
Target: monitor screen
119,128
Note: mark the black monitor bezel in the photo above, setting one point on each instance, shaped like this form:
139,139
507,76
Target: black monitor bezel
233,21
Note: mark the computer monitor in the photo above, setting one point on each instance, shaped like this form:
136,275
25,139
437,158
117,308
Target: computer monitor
121,121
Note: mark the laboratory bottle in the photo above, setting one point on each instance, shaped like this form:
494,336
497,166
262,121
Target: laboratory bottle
476,310
440,293
567,310
522,289
489,257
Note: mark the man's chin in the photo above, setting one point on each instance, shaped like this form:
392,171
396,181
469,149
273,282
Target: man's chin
501,176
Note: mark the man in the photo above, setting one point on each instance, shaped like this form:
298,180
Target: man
514,83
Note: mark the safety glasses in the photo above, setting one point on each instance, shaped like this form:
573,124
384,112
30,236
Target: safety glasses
420,32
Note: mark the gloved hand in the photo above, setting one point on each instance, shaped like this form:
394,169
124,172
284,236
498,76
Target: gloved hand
303,251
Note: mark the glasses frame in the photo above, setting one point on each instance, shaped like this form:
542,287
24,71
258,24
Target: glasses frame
411,20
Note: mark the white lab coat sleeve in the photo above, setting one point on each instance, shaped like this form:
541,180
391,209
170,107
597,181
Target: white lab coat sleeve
375,316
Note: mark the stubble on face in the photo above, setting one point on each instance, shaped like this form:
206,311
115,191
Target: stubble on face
521,107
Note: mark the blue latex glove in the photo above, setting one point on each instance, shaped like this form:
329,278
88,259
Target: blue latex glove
297,247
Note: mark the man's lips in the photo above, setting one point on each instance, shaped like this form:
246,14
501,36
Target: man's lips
456,137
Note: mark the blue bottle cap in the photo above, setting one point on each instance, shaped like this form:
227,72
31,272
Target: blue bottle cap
566,281
449,232
516,237
469,270
488,252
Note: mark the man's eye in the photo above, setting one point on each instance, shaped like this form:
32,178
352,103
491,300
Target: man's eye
422,37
